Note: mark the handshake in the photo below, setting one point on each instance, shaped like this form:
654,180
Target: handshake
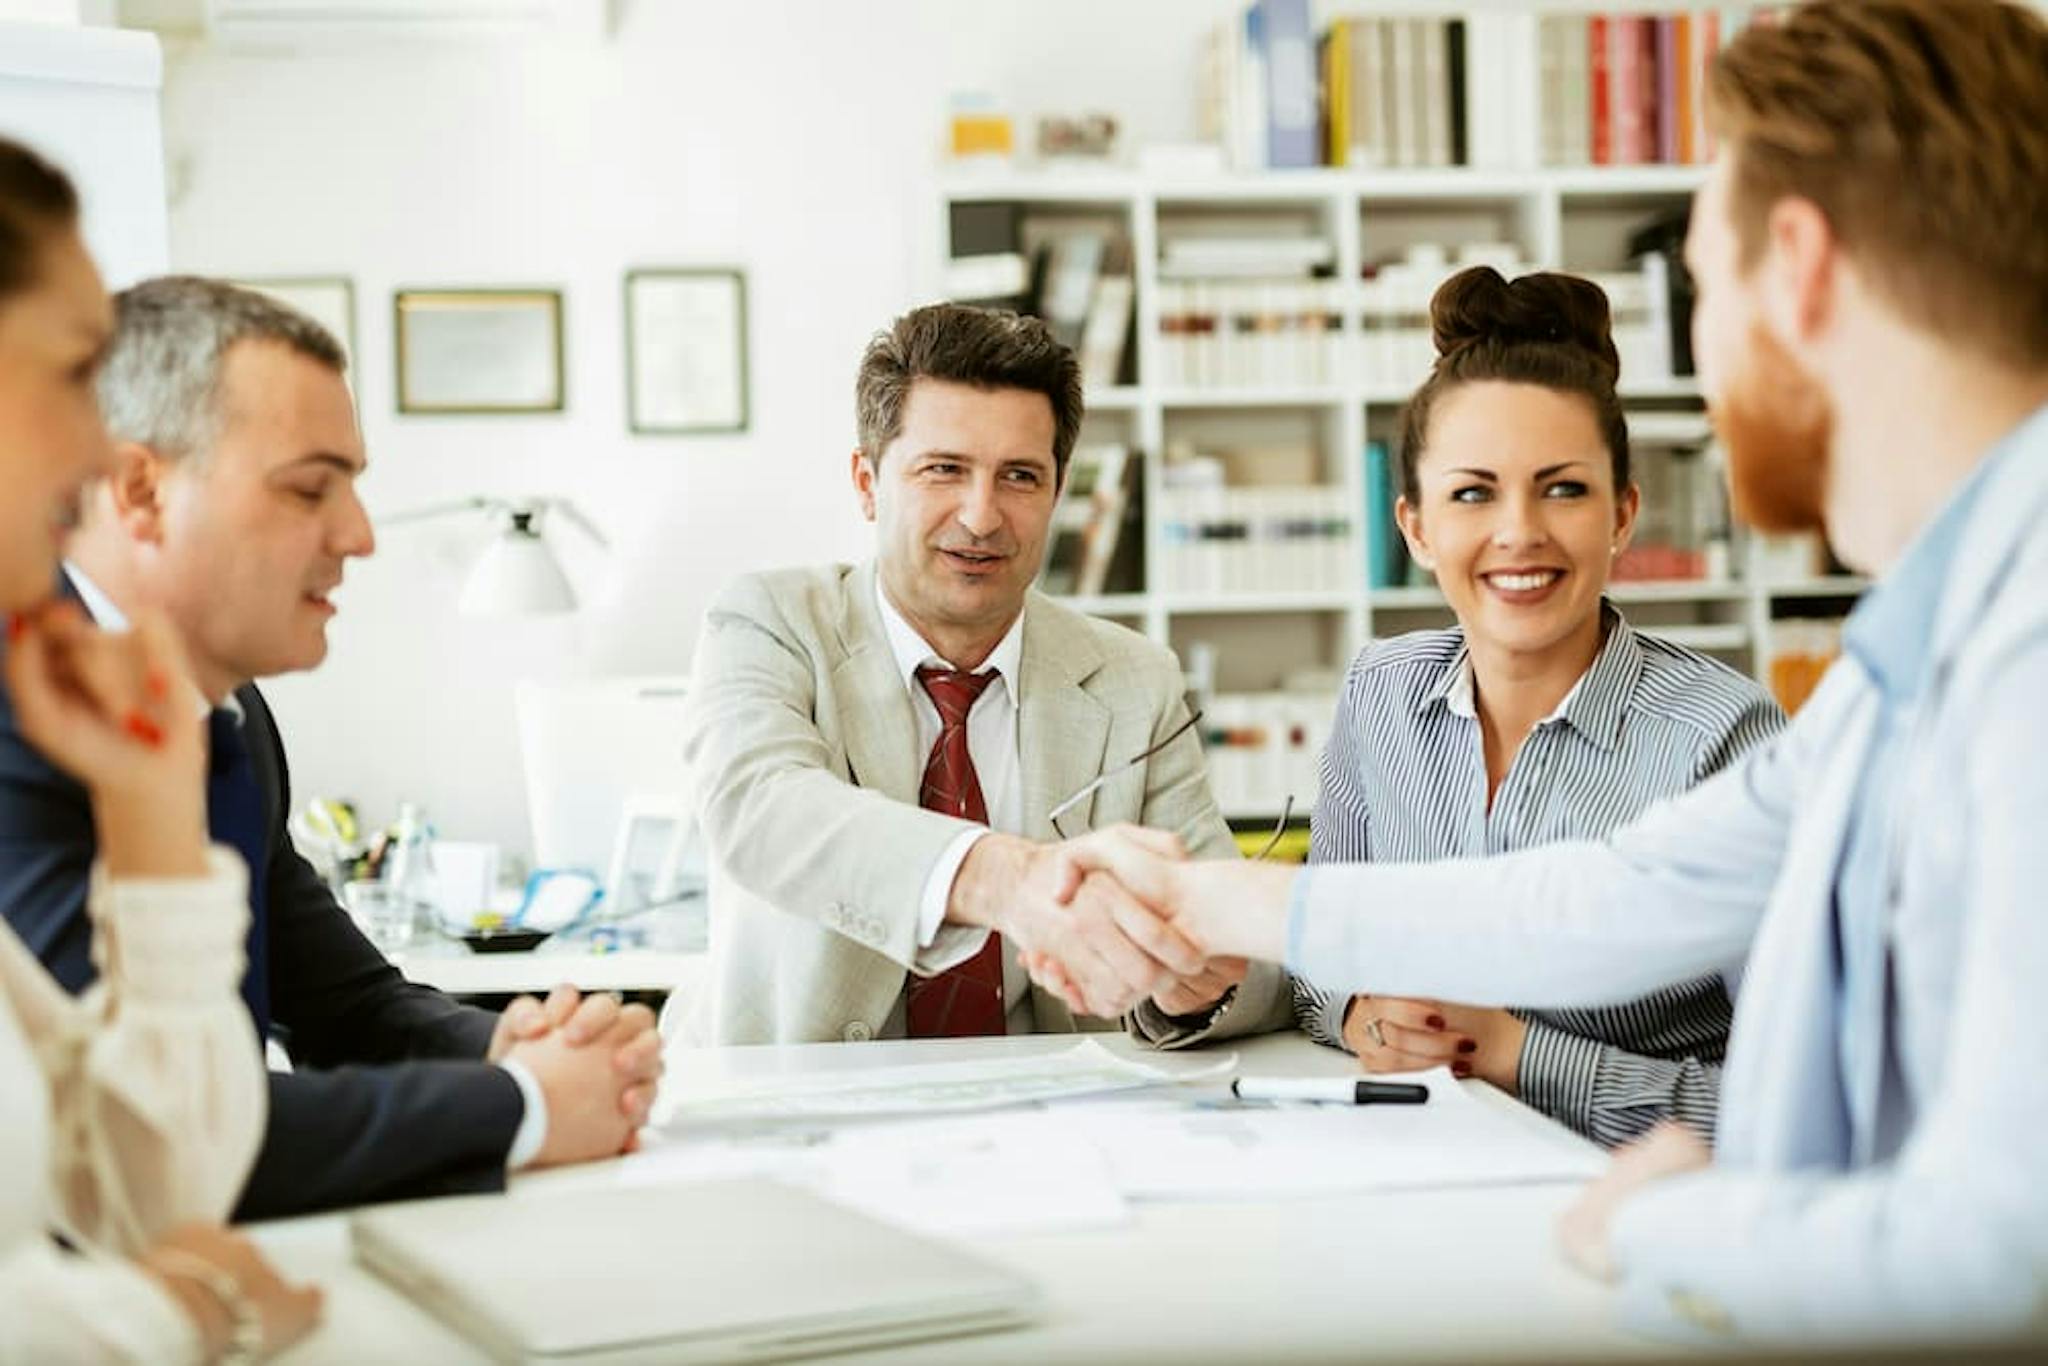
597,1064
1121,915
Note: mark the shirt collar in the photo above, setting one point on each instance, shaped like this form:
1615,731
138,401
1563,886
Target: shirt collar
1891,630
109,617
98,605
912,651
1593,707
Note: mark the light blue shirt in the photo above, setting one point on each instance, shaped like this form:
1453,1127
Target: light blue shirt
1889,635
1881,1173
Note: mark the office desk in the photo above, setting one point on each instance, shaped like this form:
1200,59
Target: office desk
451,967
1456,1274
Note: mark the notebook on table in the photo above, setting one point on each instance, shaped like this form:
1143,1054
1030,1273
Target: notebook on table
744,1270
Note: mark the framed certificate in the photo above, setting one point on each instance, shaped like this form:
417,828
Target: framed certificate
479,350
686,351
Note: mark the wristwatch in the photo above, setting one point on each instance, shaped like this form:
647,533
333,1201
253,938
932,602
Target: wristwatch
1206,1019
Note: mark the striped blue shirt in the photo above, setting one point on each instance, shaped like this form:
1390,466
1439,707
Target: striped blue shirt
1404,780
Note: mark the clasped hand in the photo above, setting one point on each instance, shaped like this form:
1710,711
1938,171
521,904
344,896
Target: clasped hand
598,1064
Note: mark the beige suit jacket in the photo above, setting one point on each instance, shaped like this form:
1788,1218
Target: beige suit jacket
803,752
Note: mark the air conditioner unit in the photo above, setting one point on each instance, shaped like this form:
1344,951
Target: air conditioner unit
300,23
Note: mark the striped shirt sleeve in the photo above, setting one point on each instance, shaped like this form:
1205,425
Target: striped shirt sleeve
1403,780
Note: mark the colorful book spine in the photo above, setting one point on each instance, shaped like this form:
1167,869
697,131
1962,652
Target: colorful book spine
1667,90
1707,39
1385,554
1337,76
1599,52
1286,41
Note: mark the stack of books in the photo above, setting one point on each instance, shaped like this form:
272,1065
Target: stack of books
1263,539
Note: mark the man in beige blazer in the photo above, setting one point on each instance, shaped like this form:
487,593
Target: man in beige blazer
843,869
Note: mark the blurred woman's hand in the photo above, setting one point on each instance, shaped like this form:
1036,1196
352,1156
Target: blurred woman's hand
219,1279
116,711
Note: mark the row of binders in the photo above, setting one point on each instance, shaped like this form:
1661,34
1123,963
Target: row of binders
1220,540
1237,334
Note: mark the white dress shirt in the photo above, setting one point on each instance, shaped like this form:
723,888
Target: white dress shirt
533,1120
992,745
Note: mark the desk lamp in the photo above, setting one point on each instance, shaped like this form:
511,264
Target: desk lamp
517,575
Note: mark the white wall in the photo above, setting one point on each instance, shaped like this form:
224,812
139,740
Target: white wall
795,138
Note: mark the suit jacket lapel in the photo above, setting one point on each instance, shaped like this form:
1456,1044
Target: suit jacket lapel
875,719
1062,728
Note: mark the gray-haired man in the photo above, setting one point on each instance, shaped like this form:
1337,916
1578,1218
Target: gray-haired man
233,510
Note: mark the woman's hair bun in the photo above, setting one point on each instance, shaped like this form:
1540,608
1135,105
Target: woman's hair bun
1477,307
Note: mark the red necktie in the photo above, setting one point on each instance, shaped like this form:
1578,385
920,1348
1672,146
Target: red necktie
964,1001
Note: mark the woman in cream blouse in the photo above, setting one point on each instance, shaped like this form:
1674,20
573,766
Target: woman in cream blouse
132,1113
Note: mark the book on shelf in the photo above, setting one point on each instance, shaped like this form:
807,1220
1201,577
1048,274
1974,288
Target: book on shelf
1286,40
1386,562
1088,525
1640,99
1105,337
1600,89
1370,90
1066,288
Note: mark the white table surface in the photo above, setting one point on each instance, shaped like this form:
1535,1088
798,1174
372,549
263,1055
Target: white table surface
1446,1274
453,967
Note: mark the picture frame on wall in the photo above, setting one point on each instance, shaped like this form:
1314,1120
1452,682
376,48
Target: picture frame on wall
479,351
686,351
329,300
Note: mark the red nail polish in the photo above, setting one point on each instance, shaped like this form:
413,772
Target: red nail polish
1435,1022
145,730
1467,1046
156,685
1461,1069
17,627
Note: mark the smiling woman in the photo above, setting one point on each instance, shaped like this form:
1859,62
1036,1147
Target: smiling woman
1541,716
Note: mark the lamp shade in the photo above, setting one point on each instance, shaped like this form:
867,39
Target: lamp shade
517,576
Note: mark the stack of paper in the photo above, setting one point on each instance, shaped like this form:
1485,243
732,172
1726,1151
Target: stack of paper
1225,1150
1085,1069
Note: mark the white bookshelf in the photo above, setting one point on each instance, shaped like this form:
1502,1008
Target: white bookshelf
1559,219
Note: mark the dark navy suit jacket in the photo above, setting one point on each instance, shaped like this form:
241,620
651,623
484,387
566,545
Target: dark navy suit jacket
391,1100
